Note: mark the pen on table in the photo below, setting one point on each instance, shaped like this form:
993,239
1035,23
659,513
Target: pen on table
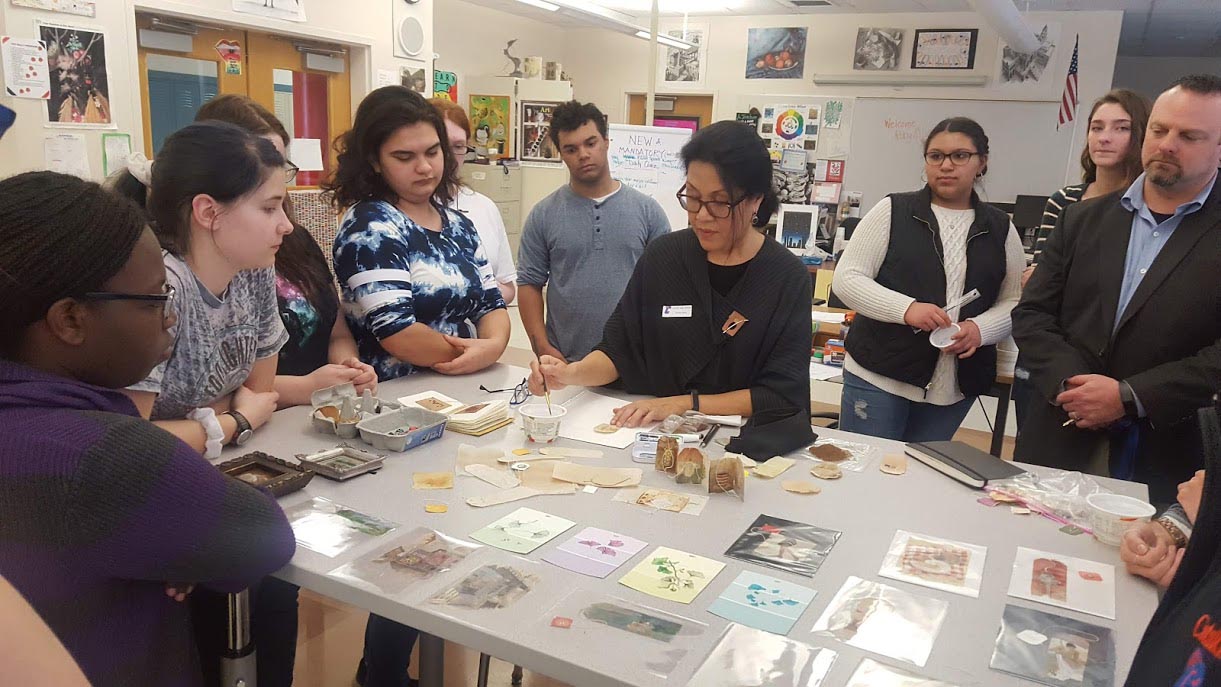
708,436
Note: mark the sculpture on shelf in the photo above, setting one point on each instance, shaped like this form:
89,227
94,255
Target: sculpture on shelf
514,61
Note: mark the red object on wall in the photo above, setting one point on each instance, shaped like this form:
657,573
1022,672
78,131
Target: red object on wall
310,118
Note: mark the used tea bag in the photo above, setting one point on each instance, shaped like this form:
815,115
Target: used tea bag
773,467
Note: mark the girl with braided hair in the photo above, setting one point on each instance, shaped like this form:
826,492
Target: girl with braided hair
103,513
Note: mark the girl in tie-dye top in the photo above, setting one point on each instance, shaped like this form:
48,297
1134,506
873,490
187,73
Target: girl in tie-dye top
416,285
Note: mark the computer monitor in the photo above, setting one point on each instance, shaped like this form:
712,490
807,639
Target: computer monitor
1028,211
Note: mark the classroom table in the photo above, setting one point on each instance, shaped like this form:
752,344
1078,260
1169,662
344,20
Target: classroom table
867,507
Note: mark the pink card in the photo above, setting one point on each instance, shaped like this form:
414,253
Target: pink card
595,552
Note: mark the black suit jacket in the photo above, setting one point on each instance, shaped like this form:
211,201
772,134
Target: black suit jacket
1167,345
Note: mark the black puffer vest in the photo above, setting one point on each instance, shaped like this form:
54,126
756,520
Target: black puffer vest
913,266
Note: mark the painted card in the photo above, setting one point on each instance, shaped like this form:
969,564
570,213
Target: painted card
776,53
870,673
784,544
487,587
746,657
937,563
672,575
595,552
763,602
1064,581
1054,650
491,126
883,619
523,530
80,86
658,644
331,528
417,556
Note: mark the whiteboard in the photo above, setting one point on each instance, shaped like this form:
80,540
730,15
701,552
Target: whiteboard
1027,155
647,159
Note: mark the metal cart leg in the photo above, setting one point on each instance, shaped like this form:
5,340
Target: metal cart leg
484,664
432,661
237,665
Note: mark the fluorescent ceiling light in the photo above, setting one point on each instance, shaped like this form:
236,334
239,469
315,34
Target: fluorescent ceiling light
541,4
665,40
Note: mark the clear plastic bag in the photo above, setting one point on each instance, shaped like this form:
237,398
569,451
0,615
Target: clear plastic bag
937,563
859,455
746,657
419,555
883,619
1055,494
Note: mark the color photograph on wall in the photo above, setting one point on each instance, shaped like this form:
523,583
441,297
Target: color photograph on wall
776,53
878,49
536,145
80,87
491,125
944,48
686,66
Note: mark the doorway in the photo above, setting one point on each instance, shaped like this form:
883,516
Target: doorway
688,111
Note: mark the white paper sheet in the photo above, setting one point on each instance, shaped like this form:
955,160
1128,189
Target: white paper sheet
828,317
821,372
26,74
1064,581
306,154
589,409
67,154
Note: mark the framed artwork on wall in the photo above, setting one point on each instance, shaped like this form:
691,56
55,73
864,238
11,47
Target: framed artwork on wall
677,122
535,144
944,48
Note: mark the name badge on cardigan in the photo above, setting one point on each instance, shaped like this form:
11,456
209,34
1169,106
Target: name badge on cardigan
676,311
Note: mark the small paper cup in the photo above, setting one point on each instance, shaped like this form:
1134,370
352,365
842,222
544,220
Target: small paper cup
1113,514
944,337
541,425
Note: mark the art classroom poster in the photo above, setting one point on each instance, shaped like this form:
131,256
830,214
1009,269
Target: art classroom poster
491,125
445,85
80,87
26,74
288,10
536,145
776,53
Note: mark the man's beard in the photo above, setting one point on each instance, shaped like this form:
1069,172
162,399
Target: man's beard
1166,179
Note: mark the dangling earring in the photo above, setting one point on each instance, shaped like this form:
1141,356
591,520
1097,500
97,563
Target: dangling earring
979,176
754,219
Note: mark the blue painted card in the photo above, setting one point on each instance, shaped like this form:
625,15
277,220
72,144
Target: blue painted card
762,602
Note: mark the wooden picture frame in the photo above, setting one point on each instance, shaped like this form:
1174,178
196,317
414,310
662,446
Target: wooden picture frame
939,49
267,473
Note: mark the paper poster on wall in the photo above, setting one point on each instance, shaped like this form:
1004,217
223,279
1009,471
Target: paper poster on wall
686,66
491,125
878,49
536,145
832,114
944,48
776,53
26,74
81,8
116,148
385,77
444,85
415,79
747,118
287,10
80,87
66,154
1025,71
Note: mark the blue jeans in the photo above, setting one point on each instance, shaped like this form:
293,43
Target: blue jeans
387,653
866,409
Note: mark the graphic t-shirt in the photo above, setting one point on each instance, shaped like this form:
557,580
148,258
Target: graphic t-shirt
393,273
216,340
309,329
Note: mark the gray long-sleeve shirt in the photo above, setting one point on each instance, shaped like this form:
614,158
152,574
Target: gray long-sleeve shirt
584,252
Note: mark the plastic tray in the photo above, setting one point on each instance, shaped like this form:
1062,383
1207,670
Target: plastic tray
377,431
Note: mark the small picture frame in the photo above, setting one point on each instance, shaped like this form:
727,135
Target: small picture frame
944,48
341,463
267,473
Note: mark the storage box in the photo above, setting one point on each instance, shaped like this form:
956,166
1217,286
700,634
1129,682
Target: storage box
393,431
335,398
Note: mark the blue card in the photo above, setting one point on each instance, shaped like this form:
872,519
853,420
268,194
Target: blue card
762,602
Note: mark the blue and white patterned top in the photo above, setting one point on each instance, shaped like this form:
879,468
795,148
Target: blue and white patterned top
393,273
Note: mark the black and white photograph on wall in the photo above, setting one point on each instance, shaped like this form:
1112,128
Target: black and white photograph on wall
686,66
1028,68
878,49
414,79
944,48
287,10
80,87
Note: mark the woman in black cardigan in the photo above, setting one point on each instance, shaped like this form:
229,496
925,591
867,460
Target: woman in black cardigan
715,318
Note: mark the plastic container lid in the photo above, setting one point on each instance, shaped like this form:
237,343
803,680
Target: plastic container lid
1121,506
944,337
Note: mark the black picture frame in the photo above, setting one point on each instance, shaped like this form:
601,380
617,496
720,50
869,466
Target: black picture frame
971,34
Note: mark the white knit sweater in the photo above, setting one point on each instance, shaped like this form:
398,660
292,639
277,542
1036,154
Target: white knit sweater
855,283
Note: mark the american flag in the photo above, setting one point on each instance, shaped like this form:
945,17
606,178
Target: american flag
1068,101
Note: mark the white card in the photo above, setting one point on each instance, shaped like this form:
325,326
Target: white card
1064,581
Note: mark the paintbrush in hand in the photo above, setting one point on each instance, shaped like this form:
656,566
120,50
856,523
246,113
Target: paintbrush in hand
546,391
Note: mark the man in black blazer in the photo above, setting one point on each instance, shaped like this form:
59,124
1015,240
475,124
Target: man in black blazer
1120,325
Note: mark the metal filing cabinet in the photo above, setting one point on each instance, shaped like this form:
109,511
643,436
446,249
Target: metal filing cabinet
503,186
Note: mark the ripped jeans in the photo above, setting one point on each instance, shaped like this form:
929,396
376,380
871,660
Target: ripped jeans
866,409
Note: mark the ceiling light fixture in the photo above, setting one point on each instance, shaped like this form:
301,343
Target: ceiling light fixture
665,40
608,19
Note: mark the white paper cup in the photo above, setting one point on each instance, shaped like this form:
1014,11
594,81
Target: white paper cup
1112,514
944,336
542,426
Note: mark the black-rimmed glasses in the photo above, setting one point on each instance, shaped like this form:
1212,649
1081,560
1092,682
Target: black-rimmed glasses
958,157
718,209
521,392
464,152
167,298
290,172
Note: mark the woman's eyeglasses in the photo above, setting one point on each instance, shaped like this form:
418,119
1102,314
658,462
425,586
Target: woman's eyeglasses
464,152
167,298
958,157
290,172
521,392
718,209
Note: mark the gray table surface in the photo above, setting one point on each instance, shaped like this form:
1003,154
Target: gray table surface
867,507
